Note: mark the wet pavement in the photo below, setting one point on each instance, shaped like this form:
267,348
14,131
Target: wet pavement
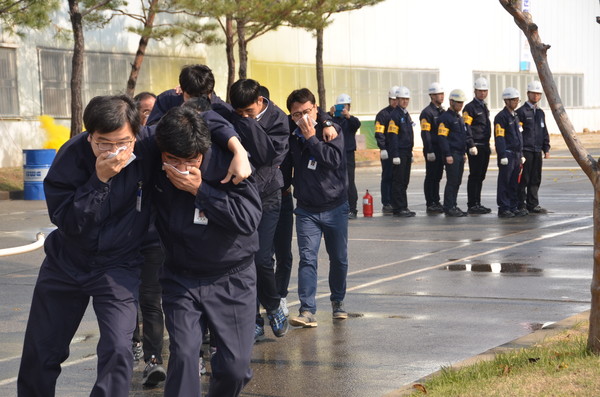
423,292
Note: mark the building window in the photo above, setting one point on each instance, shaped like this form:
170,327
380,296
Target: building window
9,96
104,74
570,87
368,87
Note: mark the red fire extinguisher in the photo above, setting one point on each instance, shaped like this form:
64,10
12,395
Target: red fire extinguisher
368,205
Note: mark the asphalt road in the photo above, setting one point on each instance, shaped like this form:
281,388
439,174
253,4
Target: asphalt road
423,292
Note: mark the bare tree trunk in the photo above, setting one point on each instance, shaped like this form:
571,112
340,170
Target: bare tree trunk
320,74
141,51
584,159
76,68
229,47
242,49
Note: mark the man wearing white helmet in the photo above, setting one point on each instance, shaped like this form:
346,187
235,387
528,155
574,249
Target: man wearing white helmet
509,146
400,142
535,142
477,118
454,138
350,125
381,121
434,166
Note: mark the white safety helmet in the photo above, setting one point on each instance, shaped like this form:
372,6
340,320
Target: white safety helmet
481,84
457,95
402,92
392,92
535,86
343,99
436,88
510,93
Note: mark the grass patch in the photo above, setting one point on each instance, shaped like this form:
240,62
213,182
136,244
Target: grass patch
11,179
558,366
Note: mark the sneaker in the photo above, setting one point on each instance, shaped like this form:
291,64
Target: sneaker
486,209
154,373
352,215
478,209
505,214
259,333
201,366
305,320
521,212
455,212
279,323
138,352
436,208
338,310
283,304
405,213
387,209
538,210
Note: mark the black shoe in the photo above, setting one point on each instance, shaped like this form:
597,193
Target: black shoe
405,213
387,210
505,214
486,209
478,209
521,212
455,212
435,209
154,373
538,210
352,214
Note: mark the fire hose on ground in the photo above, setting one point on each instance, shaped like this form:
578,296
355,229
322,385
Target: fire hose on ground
40,237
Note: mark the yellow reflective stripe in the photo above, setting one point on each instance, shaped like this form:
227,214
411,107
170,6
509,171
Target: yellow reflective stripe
392,127
499,131
521,123
468,119
379,127
425,126
442,130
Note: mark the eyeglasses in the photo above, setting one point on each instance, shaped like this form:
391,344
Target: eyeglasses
108,145
297,115
175,162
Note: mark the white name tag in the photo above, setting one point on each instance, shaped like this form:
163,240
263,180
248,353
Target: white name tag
542,124
312,164
199,218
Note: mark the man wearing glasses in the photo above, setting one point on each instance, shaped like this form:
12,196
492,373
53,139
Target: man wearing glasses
509,147
320,188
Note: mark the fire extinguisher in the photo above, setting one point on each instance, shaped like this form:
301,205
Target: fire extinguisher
368,205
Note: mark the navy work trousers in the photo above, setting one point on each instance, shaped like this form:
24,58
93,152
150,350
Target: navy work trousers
478,166
434,170
282,244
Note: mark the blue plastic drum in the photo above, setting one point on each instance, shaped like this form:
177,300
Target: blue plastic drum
36,163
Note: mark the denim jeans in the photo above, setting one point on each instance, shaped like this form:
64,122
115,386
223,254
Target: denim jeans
333,226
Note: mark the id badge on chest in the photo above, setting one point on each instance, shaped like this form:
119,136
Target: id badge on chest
199,218
312,164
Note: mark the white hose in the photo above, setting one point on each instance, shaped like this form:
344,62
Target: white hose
40,237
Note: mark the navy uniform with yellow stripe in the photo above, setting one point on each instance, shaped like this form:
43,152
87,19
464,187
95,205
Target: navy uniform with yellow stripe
477,118
453,140
433,169
509,145
400,142
381,121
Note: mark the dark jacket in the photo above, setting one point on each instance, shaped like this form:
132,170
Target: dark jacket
507,133
98,224
382,119
229,240
349,128
429,124
400,134
453,135
535,132
477,119
171,99
325,187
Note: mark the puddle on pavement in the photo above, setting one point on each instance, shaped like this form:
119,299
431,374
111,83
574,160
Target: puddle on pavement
507,268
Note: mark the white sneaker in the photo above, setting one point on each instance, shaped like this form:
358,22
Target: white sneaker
284,307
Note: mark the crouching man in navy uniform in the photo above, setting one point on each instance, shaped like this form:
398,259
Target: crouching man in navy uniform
320,188
208,230
509,146
99,203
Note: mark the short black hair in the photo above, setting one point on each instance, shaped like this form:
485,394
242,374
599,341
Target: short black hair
302,95
143,95
182,132
199,104
264,92
197,80
105,114
244,93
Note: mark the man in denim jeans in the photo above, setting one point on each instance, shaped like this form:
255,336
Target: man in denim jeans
320,188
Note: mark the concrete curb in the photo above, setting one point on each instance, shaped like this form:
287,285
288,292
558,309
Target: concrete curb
520,343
